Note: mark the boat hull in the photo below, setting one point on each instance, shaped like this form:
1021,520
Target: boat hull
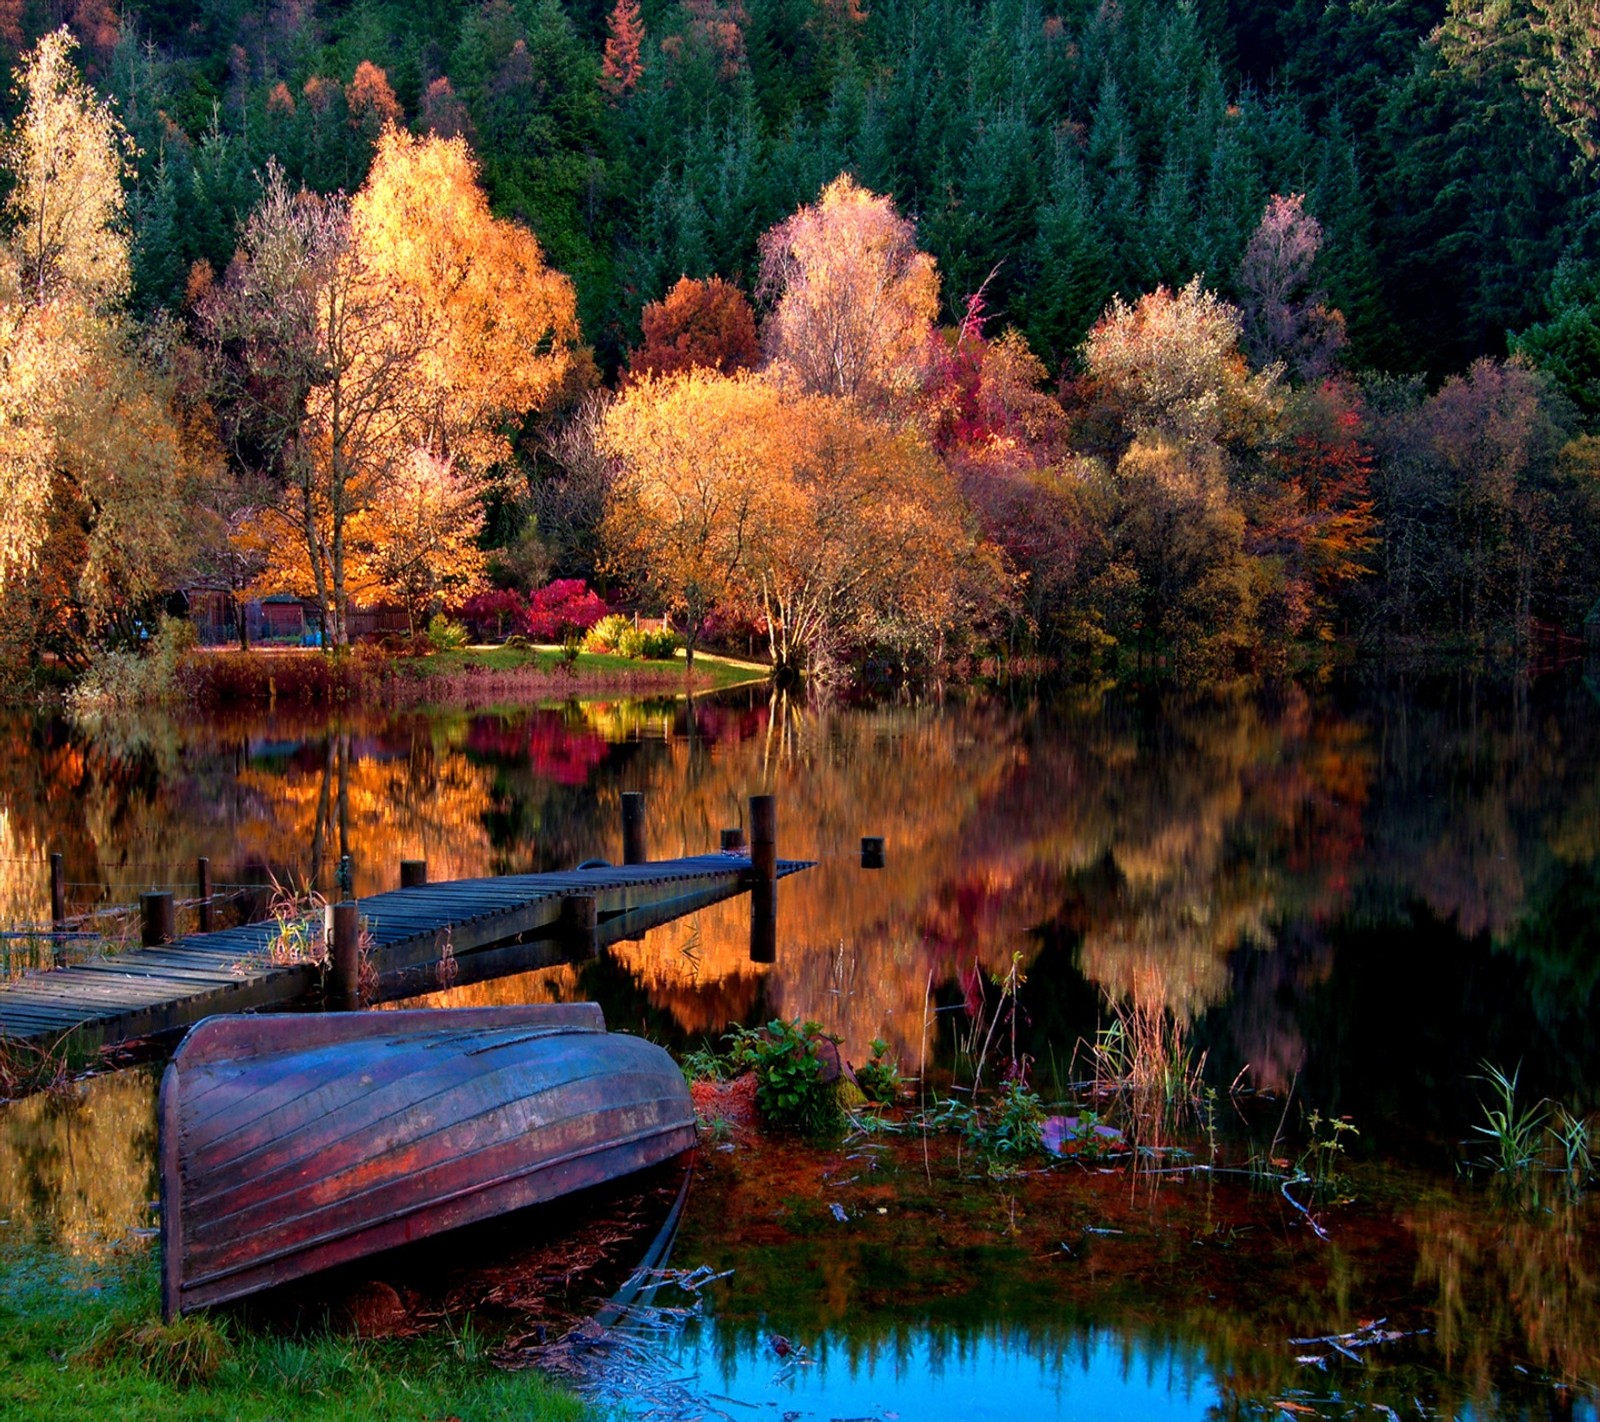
290,1144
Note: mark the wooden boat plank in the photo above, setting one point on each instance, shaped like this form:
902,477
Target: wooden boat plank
398,1159
293,1123
398,1197
302,1102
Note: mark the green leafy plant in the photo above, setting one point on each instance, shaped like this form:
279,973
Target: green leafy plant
705,1063
787,1058
1320,1161
1013,1126
658,646
880,1078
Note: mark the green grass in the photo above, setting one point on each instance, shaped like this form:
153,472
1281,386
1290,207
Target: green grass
92,1346
715,670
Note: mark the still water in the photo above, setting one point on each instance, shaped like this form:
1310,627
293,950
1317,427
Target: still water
1354,894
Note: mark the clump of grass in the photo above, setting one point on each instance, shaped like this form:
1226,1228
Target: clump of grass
1525,1142
1513,1131
187,1352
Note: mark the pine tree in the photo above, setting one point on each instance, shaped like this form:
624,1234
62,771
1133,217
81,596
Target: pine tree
623,65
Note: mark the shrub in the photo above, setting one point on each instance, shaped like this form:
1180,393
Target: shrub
658,646
566,605
492,614
122,679
445,635
607,632
788,1062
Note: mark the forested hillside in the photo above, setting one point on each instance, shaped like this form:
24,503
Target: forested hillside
1381,200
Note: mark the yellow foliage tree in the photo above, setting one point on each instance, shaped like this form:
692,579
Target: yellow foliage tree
94,460
699,455
864,540
853,300
418,542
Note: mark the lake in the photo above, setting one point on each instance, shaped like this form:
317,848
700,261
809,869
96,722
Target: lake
1357,895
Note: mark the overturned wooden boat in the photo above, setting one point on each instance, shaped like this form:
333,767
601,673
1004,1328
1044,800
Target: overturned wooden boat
293,1143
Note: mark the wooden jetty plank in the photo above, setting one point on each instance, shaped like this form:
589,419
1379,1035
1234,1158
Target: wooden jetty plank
493,926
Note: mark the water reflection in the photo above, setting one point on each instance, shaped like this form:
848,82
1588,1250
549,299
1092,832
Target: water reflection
1255,862
1358,892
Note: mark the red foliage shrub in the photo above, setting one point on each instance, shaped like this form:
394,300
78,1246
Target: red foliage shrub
566,605
492,614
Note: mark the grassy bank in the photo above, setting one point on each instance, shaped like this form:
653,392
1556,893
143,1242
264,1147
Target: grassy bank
91,1345
465,674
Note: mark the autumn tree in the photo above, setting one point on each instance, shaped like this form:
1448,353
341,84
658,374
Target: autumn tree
698,456
1169,367
63,272
349,336
699,323
623,65
863,545
1286,320
852,299
418,540
96,462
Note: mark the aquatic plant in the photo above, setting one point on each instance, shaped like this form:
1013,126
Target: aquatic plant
1514,1132
1319,1161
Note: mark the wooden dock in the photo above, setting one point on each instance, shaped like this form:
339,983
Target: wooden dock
421,938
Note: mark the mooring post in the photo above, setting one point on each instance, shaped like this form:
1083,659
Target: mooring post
156,924
633,846
203,891
732,840
872,851
580,926
413,873
344,951
764,878
58,893
764,837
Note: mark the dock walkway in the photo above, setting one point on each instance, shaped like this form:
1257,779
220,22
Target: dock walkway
421,938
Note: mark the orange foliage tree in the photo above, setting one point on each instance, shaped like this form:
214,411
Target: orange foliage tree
852,298
350,336
699,323
838,529
419,543
623,68
698,457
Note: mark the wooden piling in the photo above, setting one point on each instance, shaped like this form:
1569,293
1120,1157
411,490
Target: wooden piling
732,840
58,893
579,929
413,873
633,844
203,891
871,851
344,951
156,919
764,838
